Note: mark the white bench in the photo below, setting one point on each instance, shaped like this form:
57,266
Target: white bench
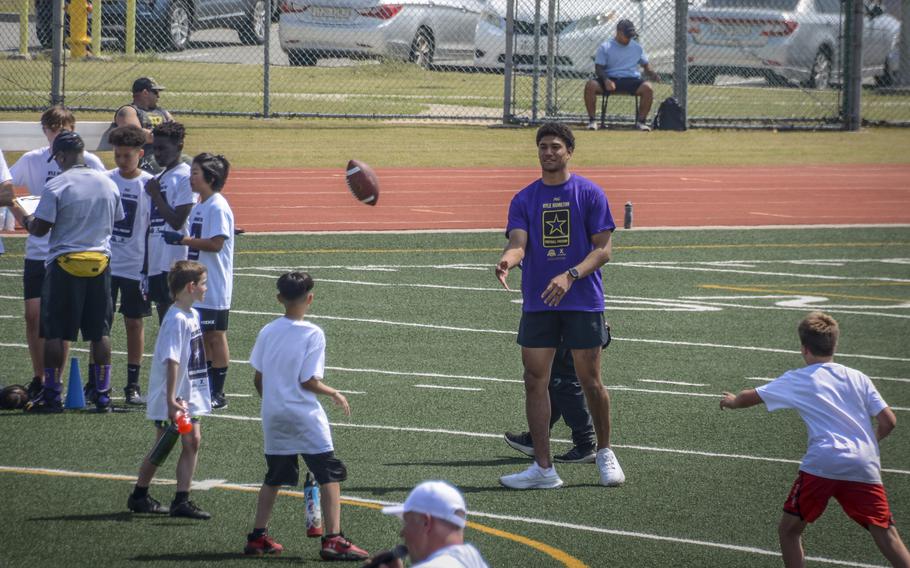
24,136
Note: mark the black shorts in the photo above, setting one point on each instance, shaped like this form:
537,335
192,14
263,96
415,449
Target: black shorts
568,329
132,303
33,278
623,85
285,470
71,303
213,320
158,290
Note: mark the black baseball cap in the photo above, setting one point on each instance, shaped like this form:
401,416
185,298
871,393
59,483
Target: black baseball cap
143,83
627,28
66,141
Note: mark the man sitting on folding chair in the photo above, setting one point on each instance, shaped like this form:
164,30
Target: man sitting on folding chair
616,71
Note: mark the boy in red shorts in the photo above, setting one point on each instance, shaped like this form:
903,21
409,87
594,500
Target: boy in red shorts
836,403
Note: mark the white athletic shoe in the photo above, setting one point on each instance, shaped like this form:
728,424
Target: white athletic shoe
611,473
592,125
535,477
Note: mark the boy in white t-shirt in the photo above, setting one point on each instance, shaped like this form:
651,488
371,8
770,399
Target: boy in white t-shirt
211,242
178,382
32,171
289,358
128,249
836,403
172,199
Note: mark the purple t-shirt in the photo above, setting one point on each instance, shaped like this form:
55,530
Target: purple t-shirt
560,220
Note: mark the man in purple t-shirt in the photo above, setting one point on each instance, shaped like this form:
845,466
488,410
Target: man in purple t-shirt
560,230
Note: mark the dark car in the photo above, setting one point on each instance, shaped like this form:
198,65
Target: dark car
166,25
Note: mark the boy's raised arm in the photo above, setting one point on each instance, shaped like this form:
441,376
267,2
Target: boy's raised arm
745,399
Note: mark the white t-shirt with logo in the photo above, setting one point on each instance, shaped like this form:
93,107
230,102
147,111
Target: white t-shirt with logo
33,171
82,204
454,556
289,353
214,218
4,176
836,403
128,239
180,340
175,189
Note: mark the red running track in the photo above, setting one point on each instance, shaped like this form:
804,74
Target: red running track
460,198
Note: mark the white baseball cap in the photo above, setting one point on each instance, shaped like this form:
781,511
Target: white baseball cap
435,498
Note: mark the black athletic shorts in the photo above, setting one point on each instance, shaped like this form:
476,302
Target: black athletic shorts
71,303
213,320
568,329
33,278
132,303
623,85
285,470
158,290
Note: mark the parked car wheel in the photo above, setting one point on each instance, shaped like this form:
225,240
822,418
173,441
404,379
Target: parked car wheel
302,57
179,25
702,75
820,75
252,30
422,48
887,78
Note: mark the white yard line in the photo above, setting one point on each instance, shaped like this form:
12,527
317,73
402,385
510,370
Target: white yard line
448,388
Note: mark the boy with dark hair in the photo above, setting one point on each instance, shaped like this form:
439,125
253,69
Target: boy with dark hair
178,383
289,358
172,199
836,403
211,242
128,249
33,170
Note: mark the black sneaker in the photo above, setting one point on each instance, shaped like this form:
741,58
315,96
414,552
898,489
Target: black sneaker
577,455
133,395
219,400
189,510
521,442
146,504
40,405
89,392
34,388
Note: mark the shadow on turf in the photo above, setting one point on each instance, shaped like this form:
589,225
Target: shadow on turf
494,462
213,556
121,517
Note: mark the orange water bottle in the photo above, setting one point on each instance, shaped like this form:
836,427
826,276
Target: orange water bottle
182,425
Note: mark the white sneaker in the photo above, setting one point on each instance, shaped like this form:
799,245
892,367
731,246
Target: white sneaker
592,125
535,477
611,473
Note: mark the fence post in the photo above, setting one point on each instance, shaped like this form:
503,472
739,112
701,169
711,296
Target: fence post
266,77
130,47
681,58
535,73
507,65
551,48
853,60
903,77
96,28
23,28
57,62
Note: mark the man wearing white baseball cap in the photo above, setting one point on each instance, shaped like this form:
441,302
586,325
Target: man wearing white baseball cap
434,517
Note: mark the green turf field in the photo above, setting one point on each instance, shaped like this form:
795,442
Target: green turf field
409,317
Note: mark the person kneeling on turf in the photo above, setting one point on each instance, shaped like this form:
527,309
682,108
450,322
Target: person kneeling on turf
289,358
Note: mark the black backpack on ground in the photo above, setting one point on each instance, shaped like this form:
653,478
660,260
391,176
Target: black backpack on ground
670,116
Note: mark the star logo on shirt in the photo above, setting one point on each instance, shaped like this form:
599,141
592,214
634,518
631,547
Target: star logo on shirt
557,226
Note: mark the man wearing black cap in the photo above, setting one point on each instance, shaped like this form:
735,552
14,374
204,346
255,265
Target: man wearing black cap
616,71
145,113
78,208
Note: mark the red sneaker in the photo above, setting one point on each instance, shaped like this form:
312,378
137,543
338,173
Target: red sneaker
337,547
262,545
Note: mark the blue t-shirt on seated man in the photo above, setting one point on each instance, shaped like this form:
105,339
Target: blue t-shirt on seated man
616,70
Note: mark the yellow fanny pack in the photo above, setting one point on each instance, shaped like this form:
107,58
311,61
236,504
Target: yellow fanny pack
83,264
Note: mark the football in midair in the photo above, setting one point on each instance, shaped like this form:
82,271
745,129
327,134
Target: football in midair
362,182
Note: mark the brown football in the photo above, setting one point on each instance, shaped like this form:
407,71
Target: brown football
362,182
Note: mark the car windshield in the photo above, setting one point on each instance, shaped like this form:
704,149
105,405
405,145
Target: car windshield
786,5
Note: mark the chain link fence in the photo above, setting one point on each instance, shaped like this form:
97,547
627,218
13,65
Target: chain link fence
750,62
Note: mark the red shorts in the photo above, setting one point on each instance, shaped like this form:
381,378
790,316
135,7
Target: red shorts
865,503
